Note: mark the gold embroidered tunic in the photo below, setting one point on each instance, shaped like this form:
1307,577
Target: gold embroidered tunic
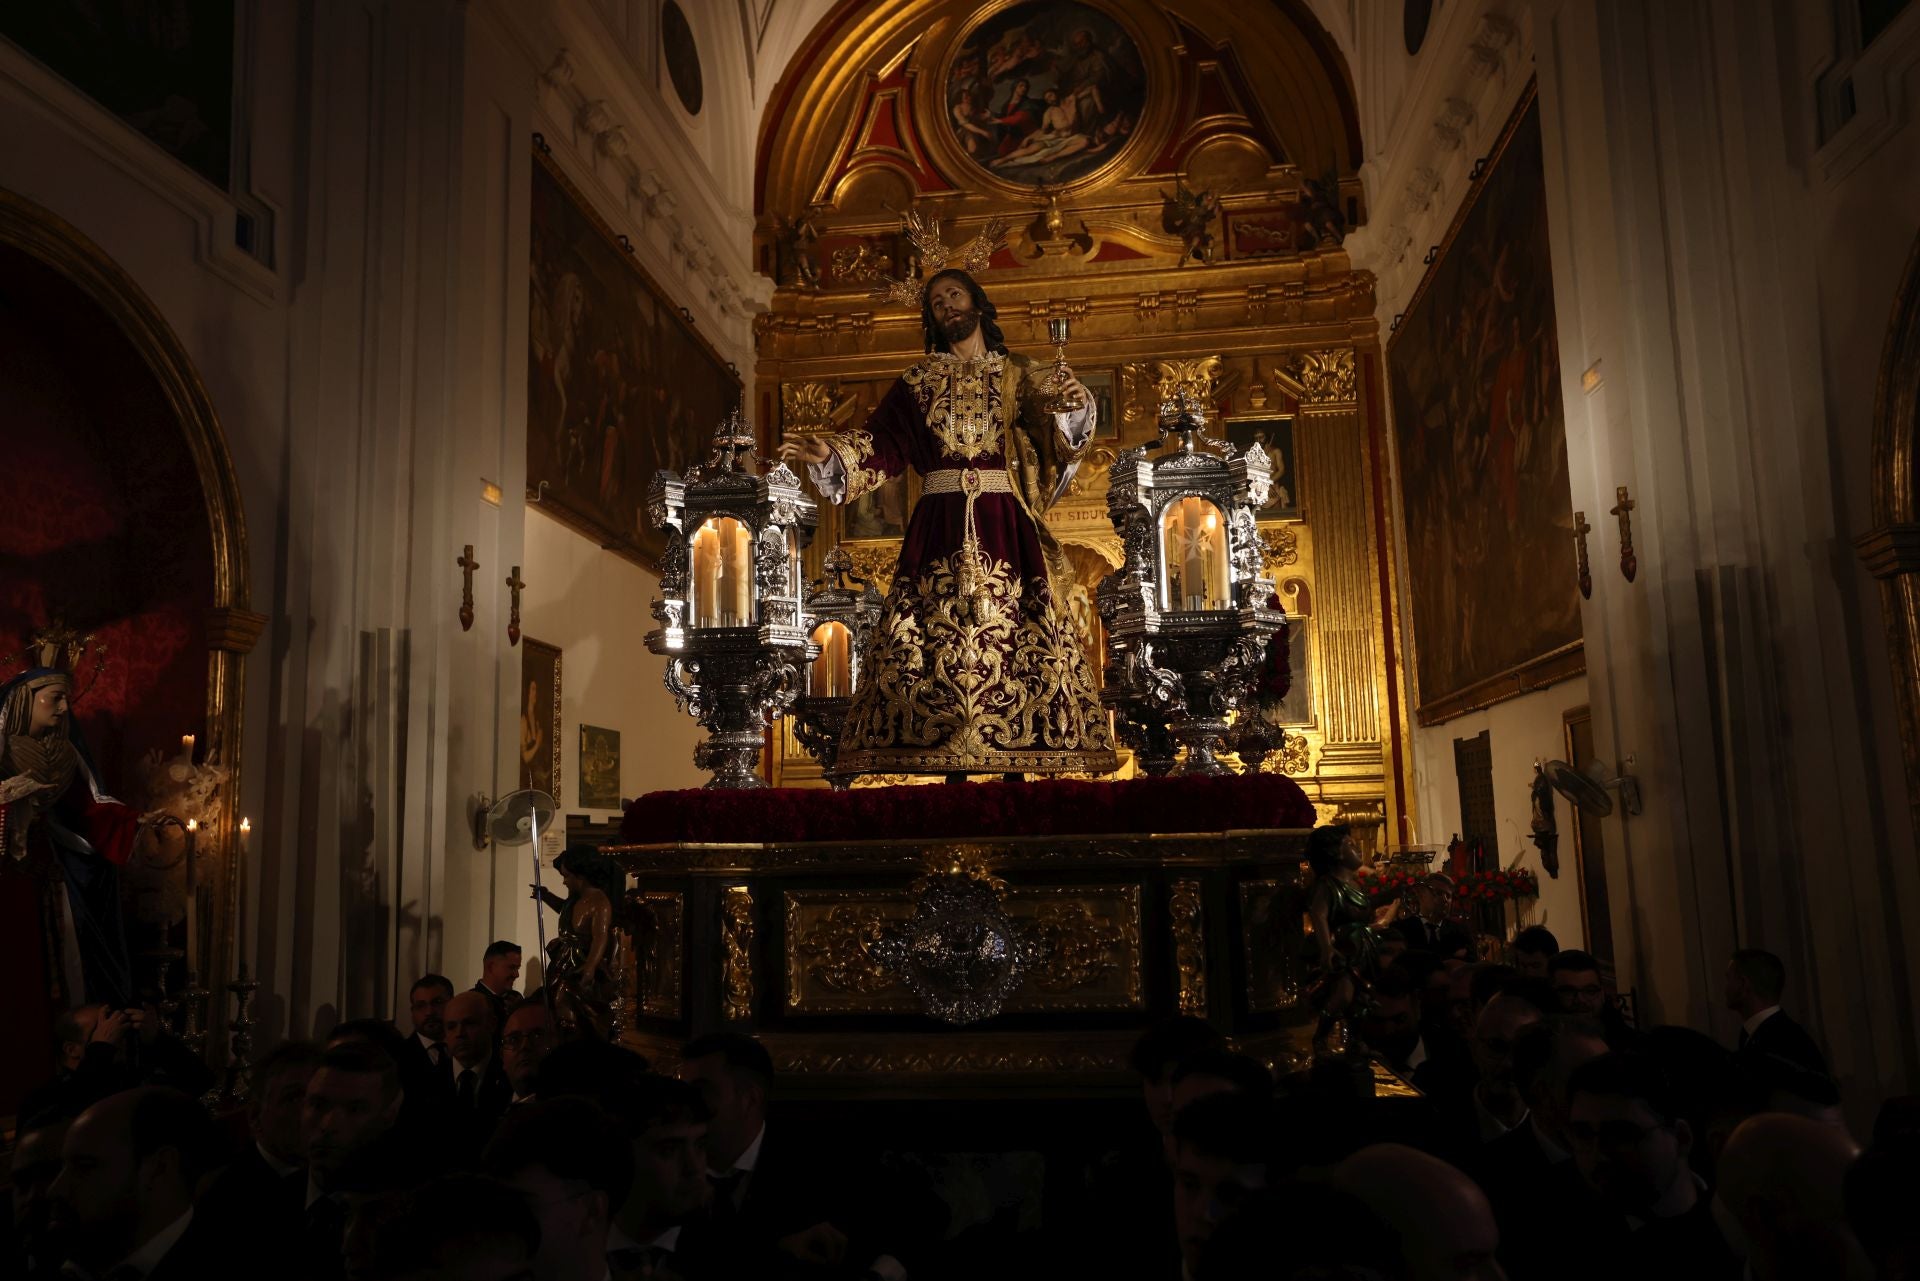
972,668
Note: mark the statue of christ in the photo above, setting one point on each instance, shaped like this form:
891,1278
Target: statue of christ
973,666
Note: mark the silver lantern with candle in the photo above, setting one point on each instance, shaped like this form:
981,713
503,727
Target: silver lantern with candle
732,624
842,608
1190,611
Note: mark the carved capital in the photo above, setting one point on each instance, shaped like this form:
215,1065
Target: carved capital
1890,550
234,631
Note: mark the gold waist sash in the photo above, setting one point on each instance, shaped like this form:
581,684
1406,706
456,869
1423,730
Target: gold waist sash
968,481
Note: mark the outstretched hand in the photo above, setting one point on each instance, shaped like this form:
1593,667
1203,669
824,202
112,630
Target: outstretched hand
803,449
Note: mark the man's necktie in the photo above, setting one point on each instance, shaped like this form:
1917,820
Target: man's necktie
1743,1038
639,1261
438,1053
726,1193
469,1087
326,1224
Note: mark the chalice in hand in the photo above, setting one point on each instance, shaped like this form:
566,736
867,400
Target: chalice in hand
1061,393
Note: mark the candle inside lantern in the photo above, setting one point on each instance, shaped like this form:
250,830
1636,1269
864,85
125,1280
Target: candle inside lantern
186,746
1193,556
722,574
832,673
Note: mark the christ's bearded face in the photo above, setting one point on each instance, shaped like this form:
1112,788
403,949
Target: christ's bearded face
953,310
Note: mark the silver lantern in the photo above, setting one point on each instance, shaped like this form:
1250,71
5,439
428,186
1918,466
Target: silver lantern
841,608
733,627
1189,612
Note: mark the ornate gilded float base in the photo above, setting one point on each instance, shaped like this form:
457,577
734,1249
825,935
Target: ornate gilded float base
781,940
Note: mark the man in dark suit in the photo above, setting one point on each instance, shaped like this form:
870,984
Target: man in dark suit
252,1201
575,1168
481,1090
32,1253
424,1061
1755,982
1543,1207
355,1152
122,1204
499,971
769,1215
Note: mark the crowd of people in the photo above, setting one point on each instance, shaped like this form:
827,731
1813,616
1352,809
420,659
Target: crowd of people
1548,1138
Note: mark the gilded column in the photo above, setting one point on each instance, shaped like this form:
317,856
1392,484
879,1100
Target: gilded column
1333,472
1189,948
736,977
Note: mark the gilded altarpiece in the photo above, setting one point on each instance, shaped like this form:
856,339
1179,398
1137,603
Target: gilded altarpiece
1205,248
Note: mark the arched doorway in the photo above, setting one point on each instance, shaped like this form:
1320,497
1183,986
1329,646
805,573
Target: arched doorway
1892,549
120,518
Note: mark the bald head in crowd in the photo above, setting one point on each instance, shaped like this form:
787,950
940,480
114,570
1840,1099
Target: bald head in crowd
1779,1203
1438,1216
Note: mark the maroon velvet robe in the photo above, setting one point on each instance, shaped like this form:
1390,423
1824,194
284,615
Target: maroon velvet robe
971,668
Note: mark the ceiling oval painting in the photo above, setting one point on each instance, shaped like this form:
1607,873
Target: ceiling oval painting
1044,93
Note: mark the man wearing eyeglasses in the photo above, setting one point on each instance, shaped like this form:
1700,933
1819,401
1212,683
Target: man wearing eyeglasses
1579,990
1632,1147
523,1048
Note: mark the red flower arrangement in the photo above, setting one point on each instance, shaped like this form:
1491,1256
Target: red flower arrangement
1383,886
1497,886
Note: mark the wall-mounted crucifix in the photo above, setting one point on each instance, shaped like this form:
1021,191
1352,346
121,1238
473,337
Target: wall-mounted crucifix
467,564
1585,567
514,585
1629,563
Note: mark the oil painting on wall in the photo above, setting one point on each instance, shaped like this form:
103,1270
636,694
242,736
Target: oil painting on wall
163,66
1045,92
1274,438
620,384
599,768
540,717
1482,450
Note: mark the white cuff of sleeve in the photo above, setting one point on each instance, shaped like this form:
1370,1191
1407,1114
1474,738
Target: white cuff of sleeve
830,478
1076,425
887,1268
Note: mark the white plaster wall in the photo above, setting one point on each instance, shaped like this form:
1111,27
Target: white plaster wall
595,607
368,379
1521,731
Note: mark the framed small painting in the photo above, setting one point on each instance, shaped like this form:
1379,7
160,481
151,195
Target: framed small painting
879,513
1099,385
1272,435
599,768
540,717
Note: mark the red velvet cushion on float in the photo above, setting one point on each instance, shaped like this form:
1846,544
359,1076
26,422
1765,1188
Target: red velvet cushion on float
1056,807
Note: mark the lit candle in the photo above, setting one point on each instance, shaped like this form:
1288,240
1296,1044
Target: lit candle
1193,570
736,574
727,586
240,893
186,746
193,897
706,577
832,675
